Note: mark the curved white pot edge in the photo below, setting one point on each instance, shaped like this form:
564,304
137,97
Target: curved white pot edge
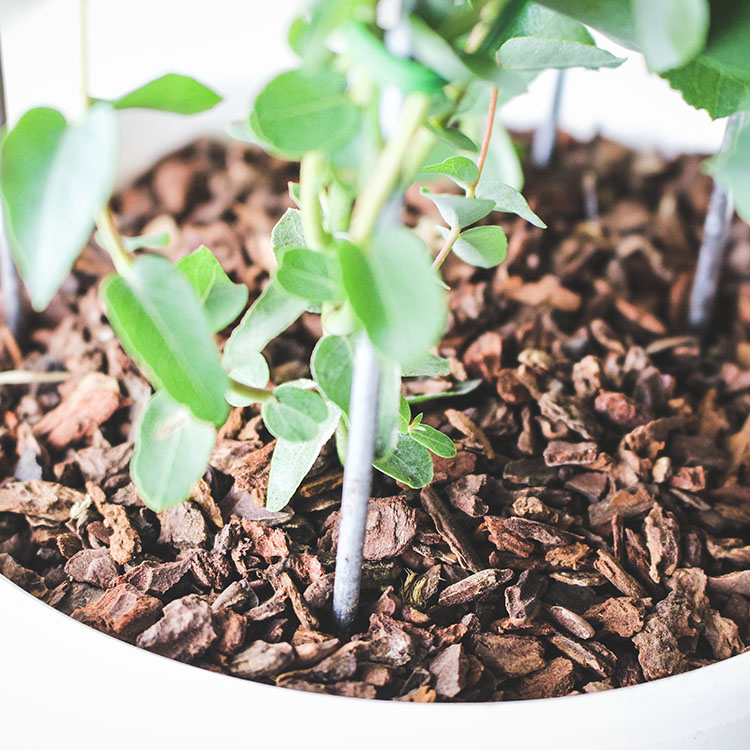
65,683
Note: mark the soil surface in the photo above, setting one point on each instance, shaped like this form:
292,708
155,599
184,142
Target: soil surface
591,533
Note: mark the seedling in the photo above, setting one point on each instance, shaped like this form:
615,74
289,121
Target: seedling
342,253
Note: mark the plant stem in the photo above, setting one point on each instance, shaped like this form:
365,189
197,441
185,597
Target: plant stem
545,136
450,240
713,247
84,42
485,141
357,483
312,169
260,395
112,241
387,169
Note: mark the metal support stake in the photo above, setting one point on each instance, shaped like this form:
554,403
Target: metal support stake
713,247
543,144
9,287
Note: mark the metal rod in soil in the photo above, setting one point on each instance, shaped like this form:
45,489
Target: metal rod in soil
543,143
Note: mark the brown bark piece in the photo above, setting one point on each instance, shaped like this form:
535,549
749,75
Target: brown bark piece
613,571
156,578
466,494
658,650
511,655
554,680
27,579
449,670
124,543
627,503
622,615
591,655
523,599
94,566
572,412
39,499
261,660
472,588
662,532
563,453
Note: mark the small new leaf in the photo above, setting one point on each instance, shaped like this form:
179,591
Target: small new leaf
309,275
294,413
222,299
172,448
170,93
507,199
432,439
458,211
462,170
409,463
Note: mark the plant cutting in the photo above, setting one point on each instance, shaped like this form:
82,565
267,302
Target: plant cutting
571,411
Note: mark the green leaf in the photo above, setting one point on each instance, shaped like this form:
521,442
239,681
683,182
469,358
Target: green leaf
731,168
54,177
670,32
172,449
460,169
248,368
434,440
389,400
131,244
393,290
437,53
291,461
409,463
386,68
457,210
429,365
287,233
404,415
613,17
459,389
294,413
535,20
331,365
454,137
222,299
309,275
508,200
158,318
271,314
298,112
170,93
503,163
532,53
483,247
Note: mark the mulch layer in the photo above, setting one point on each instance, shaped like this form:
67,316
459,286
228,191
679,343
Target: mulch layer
592,531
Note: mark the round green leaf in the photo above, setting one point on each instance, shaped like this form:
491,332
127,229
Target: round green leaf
54,177
170,93
309,275
298,112
294,413
331,366
483,247
409,463
172,449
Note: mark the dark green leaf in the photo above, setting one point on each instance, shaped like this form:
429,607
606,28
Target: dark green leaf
222,299
54,177
460,169
613,17
394,292
483,247
298,112
457,210
170,93
430,365
459,389
434,440
288,232
172,449
409,463
291,461
158,318
331,366
670,32
731,168
271,314
294,413
509,200
309,275
531,53
706,87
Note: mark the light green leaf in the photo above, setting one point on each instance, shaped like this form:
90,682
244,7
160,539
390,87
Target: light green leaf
158,318
222,299
394,292
170,93
331,365
454,137
429,365
298,112
54,177
172,448
459,389
409,463
508,200
291,461
389,399
131,244
670,32
457,210
532,53
287,233
271,314
432,439
483,247
731,168
404,415
309,275
460,169
248,368
294,413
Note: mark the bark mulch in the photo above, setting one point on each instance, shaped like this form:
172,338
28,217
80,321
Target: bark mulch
592,532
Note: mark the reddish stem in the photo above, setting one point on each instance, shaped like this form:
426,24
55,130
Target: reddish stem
446,248
487,135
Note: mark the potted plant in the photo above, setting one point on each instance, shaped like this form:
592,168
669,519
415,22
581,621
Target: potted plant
342,254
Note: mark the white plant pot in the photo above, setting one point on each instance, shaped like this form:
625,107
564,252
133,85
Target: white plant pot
65,685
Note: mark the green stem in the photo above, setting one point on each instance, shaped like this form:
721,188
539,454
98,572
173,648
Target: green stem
261,395
85,99
112,241
312,173
388,168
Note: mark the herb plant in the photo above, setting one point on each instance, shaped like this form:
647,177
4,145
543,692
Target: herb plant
337,256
